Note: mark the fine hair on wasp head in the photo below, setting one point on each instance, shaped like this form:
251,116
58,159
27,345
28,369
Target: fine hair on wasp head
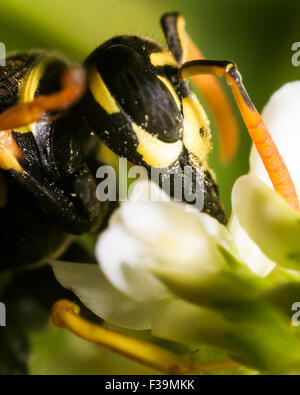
183,183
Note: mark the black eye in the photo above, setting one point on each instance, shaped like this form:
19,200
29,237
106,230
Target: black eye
145,98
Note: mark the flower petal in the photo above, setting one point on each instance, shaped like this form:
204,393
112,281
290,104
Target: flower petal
184,322
92,288
175,235
120,256
268,220
248,251
145,190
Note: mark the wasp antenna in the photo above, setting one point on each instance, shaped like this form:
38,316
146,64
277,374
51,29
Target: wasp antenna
261,137
73,84
184,49
66,314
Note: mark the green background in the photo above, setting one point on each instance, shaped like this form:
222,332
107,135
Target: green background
256,34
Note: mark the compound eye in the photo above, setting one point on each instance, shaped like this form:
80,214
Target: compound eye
147,98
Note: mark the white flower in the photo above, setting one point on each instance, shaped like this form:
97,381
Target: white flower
148,242
141,235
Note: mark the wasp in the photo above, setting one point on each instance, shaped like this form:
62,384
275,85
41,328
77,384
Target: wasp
131,95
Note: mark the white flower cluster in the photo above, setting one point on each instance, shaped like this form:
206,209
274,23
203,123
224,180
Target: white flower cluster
148,242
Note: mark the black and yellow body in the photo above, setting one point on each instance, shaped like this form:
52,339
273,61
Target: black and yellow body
138,105
130,95
47,189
